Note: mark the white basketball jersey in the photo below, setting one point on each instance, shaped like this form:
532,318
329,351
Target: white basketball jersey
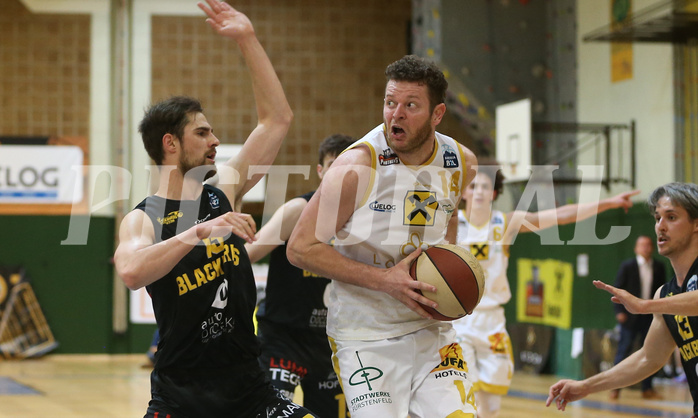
403,208
486,245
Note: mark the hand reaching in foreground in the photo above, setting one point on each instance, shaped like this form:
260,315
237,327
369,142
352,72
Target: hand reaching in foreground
632,303
565,391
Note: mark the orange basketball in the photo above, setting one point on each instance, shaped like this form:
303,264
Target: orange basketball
457,275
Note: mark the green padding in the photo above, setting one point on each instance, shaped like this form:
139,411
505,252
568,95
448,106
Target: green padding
73,283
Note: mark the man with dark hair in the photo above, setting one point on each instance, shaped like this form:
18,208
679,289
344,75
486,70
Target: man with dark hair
675,322
292,317
185,244
488,234
392,193
414,69
641,276
167,116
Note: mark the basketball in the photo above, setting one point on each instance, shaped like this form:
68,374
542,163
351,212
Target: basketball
457,275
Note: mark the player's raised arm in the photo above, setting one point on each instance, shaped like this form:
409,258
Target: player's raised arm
522,221
273,111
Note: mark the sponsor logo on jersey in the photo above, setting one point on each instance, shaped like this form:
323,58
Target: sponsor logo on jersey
420,208
331,382
447,207
481,251
415,241
497,221
170,218
213,200
692,283
451,358
382,207
450,157
452,362
221,300
318,318
287,371
364,376
198,221
388,157
500,343
219,253
307,273
283,410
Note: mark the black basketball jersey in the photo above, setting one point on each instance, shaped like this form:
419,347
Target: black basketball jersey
204,305
684,329
294,297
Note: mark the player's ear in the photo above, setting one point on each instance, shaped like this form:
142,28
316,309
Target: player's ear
169,143
438,113
319,171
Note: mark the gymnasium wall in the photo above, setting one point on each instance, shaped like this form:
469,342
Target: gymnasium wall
44,70
647,96
330,57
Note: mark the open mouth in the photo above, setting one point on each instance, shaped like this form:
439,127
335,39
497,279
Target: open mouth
211,157
397,131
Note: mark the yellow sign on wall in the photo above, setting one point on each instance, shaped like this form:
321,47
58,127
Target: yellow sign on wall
544,293
621,52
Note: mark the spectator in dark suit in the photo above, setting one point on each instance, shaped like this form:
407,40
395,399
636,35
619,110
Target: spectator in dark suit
641,276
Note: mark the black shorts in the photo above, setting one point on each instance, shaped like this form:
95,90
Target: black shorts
291,358
242,393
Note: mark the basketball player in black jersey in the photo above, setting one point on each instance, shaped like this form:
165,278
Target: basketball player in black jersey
186,245
292,318
675,322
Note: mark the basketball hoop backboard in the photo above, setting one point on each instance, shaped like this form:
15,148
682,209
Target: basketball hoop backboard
513,124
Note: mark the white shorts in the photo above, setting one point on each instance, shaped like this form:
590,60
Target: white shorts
487,349
422,374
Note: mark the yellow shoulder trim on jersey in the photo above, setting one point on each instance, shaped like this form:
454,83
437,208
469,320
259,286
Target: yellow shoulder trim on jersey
372,180
427,162
472,225
464,173
433,154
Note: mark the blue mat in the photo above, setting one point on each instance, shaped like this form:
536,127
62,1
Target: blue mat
9,387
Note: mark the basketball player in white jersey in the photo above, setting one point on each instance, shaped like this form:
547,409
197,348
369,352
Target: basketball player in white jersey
488,234
392,192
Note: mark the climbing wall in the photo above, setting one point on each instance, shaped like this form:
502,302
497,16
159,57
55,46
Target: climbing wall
500,51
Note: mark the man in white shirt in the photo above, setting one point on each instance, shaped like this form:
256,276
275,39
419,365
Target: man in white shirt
641,276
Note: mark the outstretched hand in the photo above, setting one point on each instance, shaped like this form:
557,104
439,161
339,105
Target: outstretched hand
564,392
225,20
632,303
399,284
622,200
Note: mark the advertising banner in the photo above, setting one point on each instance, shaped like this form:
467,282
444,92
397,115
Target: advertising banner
544,293
41,174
